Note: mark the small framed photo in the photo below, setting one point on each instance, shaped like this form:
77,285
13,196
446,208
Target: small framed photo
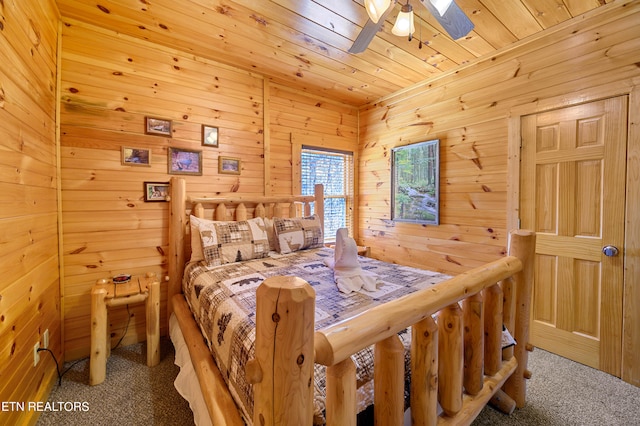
157,126
209,136
136,156
156,191
184,162
229,165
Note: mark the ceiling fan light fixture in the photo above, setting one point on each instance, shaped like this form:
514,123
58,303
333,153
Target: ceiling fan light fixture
441,5
404,23
375,8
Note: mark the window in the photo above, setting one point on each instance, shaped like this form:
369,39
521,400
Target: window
333,169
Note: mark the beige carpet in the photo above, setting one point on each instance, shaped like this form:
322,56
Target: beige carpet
560,393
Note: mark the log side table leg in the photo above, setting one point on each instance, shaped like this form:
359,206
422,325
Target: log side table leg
153,322
98,357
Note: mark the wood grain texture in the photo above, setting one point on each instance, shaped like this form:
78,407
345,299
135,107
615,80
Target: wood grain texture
389,383
284,351
30,284
284,321
473,321
631,309
468,105
220,404
110,83
424,372
341,393
304,44
450,366
566,66
468,111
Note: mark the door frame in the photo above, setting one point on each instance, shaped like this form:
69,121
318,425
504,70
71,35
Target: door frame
631,291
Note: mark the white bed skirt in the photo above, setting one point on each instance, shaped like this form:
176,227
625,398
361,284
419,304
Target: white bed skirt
186,382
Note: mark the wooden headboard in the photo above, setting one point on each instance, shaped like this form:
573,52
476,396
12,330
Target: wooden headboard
232,207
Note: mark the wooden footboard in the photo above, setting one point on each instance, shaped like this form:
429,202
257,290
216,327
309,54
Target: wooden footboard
454,362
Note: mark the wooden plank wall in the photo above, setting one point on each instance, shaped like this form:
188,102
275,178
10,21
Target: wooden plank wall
29,283
297,119
110,82
470,112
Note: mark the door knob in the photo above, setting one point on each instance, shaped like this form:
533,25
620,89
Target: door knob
610,251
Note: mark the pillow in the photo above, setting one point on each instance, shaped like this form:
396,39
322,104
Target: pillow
293,234
273,244
196,245
228,242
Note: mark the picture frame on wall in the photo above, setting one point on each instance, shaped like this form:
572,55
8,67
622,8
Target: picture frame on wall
184,162
157,126
209,136
156,191
228,165
415,183
135,156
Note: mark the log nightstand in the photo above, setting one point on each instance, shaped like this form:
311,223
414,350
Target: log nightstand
104,294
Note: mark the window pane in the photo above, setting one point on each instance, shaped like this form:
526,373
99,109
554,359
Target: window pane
335,211
334,170
324,168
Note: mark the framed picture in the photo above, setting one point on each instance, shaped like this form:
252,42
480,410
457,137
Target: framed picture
209,136
156,191
415,183
184,162
229,165
157,126
136,156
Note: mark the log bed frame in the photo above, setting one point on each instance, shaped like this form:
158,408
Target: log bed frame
456,361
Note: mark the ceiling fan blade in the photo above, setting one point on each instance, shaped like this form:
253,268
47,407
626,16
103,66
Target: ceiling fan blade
368,32
454,21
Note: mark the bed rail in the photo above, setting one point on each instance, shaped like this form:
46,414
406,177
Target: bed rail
456,359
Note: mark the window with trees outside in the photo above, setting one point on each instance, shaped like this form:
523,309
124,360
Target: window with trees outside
415,178
334,170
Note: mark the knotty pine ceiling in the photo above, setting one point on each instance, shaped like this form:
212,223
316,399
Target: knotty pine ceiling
304,43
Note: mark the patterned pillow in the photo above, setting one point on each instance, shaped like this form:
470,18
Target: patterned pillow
196,245
293,234
273,244
228,242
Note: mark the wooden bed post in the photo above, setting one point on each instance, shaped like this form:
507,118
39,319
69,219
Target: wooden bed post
282,370
388,370
493,330
450,359
522,245
509,312
341,401
177,222
318,207
473,320
424,372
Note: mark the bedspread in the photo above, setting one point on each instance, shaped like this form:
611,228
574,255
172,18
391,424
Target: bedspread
224,305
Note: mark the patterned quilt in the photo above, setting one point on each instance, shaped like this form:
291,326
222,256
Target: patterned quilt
224,304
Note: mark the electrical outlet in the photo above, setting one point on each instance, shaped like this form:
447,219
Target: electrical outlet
45,339
36,354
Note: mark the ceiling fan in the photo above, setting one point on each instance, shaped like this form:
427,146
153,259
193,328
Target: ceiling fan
446,12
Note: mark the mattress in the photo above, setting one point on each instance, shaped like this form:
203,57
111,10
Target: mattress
223,302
